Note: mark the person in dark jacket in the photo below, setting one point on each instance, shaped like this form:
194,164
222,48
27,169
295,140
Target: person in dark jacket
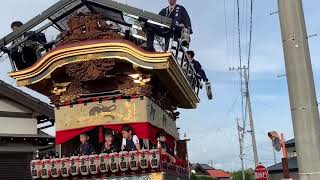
85,148
180,20
161,137
109,146
201,75
27,53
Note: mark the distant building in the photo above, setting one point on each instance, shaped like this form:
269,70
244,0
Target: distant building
206,170
275,171
22,119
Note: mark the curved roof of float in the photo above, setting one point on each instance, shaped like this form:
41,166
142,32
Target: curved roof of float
90,50
163,64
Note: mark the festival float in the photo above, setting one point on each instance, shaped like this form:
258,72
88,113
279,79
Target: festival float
98,76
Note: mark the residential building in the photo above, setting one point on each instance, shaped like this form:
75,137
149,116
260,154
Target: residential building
206,170
22,119
276,172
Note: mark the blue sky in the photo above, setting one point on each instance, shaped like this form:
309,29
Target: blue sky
212,126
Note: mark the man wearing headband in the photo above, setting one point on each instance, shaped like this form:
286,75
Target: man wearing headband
180,20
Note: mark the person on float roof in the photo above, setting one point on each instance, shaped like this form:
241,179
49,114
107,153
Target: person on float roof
129,141
26,54
15,26
85,148
201,75
180,19
178,14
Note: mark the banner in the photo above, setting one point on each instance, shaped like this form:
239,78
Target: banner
121,111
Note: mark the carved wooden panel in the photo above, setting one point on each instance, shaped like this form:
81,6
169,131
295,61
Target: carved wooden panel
86,27
90,70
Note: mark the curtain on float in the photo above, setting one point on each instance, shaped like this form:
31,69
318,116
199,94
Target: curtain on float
142,130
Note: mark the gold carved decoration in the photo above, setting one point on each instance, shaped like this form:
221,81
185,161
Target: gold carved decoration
157,176
90,70
23,82
87,26
59,88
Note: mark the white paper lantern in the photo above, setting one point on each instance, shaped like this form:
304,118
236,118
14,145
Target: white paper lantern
75,165
65,167
104,163
94,164
35,168
114,162
124,161
144,158
134,160
46,167
84,165
154,158
55,167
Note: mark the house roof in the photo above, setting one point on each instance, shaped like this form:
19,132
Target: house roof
205,166
290,143
218,173
25,99
292,164
196,167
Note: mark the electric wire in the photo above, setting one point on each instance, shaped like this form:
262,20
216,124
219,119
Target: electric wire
250,38
240,61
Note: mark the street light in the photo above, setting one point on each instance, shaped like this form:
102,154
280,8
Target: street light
278,143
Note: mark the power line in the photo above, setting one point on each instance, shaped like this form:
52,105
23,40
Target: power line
226,31
250,38
239,34
240,60
233,30
231,109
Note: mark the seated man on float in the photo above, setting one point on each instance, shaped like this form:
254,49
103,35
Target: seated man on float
85,148
109,146
27,53
200,74
180,20
130,141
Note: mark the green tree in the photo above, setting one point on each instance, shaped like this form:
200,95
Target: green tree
201,177
238,175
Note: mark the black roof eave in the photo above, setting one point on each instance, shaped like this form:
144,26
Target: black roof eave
292,164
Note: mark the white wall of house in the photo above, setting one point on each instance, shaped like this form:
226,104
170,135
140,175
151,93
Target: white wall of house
9,125
11,106
18,125
291,152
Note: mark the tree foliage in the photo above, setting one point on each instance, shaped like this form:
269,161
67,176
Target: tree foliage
201,177
238,175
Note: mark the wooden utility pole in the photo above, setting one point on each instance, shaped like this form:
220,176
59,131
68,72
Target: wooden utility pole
303,101
240,134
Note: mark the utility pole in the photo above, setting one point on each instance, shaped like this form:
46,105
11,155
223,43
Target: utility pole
303,101
274,153
252,131
211,163
240,134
